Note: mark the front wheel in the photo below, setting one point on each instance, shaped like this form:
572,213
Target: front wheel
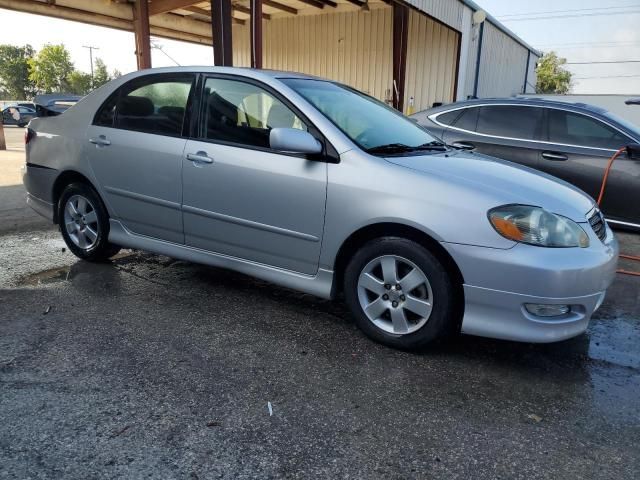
400,293
84,223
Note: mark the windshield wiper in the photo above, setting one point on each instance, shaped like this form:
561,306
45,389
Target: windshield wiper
402,148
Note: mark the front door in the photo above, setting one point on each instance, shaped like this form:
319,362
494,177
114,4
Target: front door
135,149
243,199
579,149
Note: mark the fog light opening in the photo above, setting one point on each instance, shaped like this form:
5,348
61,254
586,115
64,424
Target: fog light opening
546,310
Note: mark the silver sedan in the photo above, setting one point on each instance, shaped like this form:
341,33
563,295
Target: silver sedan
315,186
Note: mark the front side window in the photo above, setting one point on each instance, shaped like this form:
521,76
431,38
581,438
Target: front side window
150,104
576,129
243,113
511,121
369,123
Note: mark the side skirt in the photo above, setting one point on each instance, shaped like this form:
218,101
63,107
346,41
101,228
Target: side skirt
318,285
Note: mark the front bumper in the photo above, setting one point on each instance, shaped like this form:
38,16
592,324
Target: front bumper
498,283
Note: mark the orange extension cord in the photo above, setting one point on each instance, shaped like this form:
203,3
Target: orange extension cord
602,189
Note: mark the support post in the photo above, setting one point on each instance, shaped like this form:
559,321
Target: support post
221,33
256,33
142,33
478,61
526,72
400,38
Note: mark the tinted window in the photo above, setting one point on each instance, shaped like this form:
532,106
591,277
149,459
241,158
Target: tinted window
243,113
576,129
155,104
510,121
468,120
449,118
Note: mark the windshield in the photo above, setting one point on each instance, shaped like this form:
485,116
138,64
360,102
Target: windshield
369,123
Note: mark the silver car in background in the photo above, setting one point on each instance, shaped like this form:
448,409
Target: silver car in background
312,185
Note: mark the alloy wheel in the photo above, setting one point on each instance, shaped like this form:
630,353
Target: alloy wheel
81,222
395,294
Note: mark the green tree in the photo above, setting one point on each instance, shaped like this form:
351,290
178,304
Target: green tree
50,68
78,82
100,73
552,77
14,72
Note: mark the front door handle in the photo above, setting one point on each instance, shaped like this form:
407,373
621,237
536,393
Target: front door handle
463,145
101,141
558,157
199,157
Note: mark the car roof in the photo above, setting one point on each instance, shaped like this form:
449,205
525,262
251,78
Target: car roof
243,71
538,102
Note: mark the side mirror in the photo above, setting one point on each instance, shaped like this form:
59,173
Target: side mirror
633,151
292,140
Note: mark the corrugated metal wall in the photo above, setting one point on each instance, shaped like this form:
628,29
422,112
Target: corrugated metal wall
502,65
351,47
432,53
447,11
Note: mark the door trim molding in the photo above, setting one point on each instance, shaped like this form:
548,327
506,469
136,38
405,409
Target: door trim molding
249,223
143,198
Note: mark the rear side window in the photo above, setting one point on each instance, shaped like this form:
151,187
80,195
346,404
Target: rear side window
154,104
449,118
577,129
510,121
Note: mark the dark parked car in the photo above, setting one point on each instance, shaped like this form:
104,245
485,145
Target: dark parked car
571,141
17,115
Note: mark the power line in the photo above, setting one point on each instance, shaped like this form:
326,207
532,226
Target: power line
605,76
552,45
603,62
576,15
574,10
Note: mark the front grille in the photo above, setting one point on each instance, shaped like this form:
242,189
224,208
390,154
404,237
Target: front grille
597,222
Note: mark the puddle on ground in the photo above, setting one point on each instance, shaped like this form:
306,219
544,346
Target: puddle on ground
60,274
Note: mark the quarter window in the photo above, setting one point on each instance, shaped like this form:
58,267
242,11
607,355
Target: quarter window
239,112
449,118
576,129
510,121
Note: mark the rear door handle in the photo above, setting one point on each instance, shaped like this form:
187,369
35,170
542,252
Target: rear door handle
100,141
558,157
463,145
199,157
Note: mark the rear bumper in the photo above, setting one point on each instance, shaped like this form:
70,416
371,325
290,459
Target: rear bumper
498,284
38,181
40,206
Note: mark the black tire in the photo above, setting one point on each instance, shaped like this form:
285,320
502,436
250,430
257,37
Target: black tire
101,249
442,322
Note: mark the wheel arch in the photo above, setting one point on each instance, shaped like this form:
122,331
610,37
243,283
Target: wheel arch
389,229
65,178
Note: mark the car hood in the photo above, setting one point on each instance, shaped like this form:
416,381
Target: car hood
506,181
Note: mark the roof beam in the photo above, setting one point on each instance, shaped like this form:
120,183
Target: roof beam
358,3
241,9
207,13
313,3
162,6
330,3
280,6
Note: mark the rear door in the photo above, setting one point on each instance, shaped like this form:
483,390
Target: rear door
135,148
578,151
243,199
503,131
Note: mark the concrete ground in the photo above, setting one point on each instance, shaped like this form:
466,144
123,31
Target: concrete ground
148,367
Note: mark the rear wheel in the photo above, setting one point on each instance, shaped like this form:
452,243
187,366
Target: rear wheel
84,223
400,293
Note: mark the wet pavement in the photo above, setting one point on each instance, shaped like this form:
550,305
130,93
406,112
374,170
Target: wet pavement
151,367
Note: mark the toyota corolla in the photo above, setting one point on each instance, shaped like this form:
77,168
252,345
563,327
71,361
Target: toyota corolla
315,186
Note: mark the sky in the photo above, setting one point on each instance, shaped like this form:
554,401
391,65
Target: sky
606,30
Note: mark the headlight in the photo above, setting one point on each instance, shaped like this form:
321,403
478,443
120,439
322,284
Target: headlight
536,226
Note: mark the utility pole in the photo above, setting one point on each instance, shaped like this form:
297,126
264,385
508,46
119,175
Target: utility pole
91,49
